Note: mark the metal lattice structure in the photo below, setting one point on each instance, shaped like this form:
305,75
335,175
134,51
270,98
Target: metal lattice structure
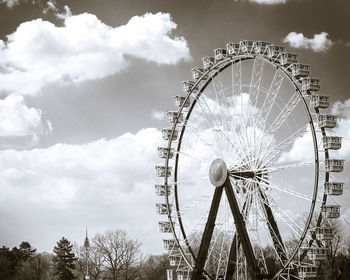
247,171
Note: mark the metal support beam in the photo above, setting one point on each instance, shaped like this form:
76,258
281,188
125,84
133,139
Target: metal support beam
242,231
273,229
207,234
232,257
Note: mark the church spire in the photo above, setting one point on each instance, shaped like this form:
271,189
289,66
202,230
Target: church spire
86,242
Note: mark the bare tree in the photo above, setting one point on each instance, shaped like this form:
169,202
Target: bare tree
121,256
155,267
95,262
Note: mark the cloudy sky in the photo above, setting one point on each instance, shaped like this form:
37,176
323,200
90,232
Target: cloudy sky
83,85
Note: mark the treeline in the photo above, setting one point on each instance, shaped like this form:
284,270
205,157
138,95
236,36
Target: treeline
111,256
114,256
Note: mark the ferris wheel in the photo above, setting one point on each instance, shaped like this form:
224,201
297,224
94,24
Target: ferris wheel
248,186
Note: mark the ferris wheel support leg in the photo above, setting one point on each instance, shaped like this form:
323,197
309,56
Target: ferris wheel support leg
207,234
242,231
273,229
232,258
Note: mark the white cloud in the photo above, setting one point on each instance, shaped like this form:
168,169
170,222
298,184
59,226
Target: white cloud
269,2
10,3
157,115
18,120
301,151
61,189
319,43
84,48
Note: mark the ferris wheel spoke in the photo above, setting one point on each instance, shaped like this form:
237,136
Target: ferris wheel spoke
274,151
286,190
226,118
284,114
236,87
214,127
254,89
217,130
193,157
236,77
188,181
271,95
237,90
199,136
282,167
218,104
269,100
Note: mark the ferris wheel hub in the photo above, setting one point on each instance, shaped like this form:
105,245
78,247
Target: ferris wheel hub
218,172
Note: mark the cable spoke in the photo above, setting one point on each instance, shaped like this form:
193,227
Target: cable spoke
285,112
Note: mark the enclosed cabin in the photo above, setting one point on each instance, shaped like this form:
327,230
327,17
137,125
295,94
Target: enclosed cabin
167,134
327,121
162,172
197,73
307,271
170,274
187,86
332,142
288,59
232,48
300,70
310,84
246,46
208,62
180,101
317,254
174,260
274,51
319,101
169,244
333,188
164,227
324,233
165,152
162,190
330,211
162,208
175,116
260,47
220,54
334,165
